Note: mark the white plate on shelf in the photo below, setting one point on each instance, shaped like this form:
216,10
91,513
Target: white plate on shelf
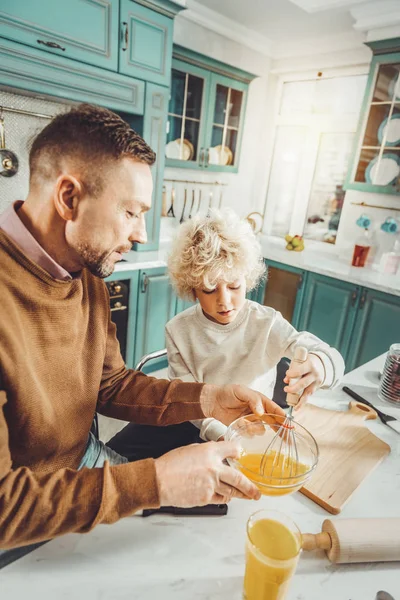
179,151
392,87
391,129
389,170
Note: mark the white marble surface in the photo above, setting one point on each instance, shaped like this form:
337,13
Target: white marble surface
312,259
202,558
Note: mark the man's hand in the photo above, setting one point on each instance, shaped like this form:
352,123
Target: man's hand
310,374
229,402
196,475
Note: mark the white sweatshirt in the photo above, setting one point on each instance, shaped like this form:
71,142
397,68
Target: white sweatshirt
245,351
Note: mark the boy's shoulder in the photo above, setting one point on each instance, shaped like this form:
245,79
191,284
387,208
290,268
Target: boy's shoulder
261,311
177,320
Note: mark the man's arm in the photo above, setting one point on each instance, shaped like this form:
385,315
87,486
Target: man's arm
133,396
35,507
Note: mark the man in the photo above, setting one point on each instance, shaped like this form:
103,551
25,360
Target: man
90,187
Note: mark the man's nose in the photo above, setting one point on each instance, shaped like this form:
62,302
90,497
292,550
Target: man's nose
139,233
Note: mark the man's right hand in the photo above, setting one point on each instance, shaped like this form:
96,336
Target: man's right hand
196,475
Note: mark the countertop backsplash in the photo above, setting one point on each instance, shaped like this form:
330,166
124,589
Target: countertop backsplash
20,130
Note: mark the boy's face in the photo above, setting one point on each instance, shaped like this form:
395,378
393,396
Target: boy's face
223,303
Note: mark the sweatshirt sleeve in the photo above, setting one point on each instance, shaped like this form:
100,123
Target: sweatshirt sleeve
133,396
283,339
211,430
35,507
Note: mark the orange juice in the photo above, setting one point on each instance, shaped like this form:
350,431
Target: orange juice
272,554
276,466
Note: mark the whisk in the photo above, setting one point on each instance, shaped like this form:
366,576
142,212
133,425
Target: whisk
283,447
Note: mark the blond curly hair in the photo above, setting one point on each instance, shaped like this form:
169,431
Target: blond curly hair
218,247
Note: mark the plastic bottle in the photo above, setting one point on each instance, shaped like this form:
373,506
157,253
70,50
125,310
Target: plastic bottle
362,248
390,261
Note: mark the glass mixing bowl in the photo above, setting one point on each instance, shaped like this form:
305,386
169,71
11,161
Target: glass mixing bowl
286,468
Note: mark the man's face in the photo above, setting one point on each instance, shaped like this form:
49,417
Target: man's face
107,225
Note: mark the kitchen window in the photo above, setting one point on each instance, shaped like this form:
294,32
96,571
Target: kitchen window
314,136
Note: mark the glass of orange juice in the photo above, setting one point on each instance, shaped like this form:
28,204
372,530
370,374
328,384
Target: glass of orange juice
272,551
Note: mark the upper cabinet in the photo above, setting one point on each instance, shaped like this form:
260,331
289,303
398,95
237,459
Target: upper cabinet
146,43
206,113
83,30
376,164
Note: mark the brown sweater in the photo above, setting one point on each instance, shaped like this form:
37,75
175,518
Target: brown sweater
59,363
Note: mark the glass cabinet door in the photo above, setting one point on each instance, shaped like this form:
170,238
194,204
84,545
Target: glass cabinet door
379,154
185,114
225,119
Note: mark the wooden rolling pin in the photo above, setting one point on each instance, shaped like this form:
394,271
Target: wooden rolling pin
357,540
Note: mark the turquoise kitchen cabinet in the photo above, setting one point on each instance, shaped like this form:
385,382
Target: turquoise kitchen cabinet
154,122
156,302
146,43
82,30
182,305
376,155
24,69
329,310
284,290
376,327
206,113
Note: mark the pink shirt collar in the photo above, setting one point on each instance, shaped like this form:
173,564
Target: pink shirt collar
12,225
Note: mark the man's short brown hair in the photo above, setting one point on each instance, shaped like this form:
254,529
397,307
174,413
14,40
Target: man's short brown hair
91,135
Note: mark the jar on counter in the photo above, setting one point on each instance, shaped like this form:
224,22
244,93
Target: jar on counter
389,387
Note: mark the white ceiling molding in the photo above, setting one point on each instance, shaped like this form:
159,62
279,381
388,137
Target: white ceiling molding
214,21
384,33
313,6
326,44
376,15
352,61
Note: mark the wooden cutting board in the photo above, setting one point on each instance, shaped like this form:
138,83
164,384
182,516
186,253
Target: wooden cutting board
349,452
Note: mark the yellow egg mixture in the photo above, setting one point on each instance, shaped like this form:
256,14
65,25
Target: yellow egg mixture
271,560
276,465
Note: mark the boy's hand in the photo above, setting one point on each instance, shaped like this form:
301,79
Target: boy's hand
311,375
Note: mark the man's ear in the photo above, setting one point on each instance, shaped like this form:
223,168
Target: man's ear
67,194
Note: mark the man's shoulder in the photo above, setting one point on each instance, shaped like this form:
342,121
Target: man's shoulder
181,318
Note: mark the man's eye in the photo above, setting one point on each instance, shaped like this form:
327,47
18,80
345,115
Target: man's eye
131,215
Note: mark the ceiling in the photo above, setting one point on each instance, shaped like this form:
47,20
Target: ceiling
281,20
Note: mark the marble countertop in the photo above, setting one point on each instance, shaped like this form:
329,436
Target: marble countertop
202,558
311,259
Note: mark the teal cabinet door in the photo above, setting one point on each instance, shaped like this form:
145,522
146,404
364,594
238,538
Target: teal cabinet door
24,68
154,123
225,119
182,305
284,290
145,44
156,306
329,310
83,30
377,327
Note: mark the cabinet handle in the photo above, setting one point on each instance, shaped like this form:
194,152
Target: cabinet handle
51,45
145,283
207,157
363,299
354,297
202,157
125,35
300,282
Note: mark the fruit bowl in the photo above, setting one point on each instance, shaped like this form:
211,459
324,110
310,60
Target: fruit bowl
284,471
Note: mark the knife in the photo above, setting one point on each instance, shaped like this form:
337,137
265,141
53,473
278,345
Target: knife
208,510
386,419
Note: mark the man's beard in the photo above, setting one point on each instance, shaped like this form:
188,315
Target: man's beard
98,263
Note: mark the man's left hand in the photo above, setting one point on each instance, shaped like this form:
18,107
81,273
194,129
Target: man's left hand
229,402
